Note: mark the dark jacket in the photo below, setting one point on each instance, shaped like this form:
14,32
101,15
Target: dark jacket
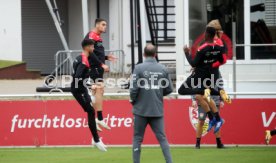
146,94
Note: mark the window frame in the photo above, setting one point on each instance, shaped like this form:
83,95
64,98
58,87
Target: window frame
247,41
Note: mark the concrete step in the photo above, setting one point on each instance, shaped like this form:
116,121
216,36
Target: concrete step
167,52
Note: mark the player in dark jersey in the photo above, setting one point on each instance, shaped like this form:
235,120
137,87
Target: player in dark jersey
202,81
79,89
98,67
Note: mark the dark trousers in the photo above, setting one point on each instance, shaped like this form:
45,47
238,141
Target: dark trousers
157,126
83,98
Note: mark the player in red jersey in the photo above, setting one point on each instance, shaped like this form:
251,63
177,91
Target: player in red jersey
81,68
98,67
217,39
200,83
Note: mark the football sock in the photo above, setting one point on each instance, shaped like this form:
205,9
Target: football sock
92,126
217,116
273,132
210,115
198,140
218,141
100,115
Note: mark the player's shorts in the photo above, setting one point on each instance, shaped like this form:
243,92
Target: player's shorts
202,114
96,74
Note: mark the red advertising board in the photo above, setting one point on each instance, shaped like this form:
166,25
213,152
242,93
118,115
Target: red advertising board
63,122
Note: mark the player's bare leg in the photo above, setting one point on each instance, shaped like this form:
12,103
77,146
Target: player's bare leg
99,91
268,135
93,91
202,102
199,131
218,134
212,106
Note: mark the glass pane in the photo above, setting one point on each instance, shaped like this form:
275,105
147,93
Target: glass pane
203,11
263,28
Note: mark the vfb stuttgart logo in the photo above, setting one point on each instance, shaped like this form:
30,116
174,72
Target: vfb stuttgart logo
193,113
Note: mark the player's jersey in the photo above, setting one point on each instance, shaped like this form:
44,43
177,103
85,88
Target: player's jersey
98,51
207,55
81,68
220,42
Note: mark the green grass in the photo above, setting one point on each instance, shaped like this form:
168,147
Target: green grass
149,155
4,63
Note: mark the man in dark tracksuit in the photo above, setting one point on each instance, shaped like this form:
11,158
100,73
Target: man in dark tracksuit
200,83
149,83
80,92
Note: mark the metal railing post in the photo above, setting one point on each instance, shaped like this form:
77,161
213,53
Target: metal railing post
56,70
165,19
234,57
132,35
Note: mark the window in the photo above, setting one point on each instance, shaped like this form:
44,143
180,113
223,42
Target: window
263,28
226,11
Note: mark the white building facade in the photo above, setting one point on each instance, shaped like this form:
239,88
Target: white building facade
27,33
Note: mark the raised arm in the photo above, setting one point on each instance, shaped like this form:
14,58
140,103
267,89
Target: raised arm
95,60
194,62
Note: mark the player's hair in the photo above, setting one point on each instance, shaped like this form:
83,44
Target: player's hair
150,50
98,20
216,24
210,32
87,42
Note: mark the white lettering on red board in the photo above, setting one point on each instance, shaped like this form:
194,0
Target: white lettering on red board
267,120
65,122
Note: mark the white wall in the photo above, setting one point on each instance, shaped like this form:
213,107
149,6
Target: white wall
10,30
114,24
126,34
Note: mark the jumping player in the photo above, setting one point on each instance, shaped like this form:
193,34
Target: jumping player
223,95
98,67
268,135
79,89
209,53
219,32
